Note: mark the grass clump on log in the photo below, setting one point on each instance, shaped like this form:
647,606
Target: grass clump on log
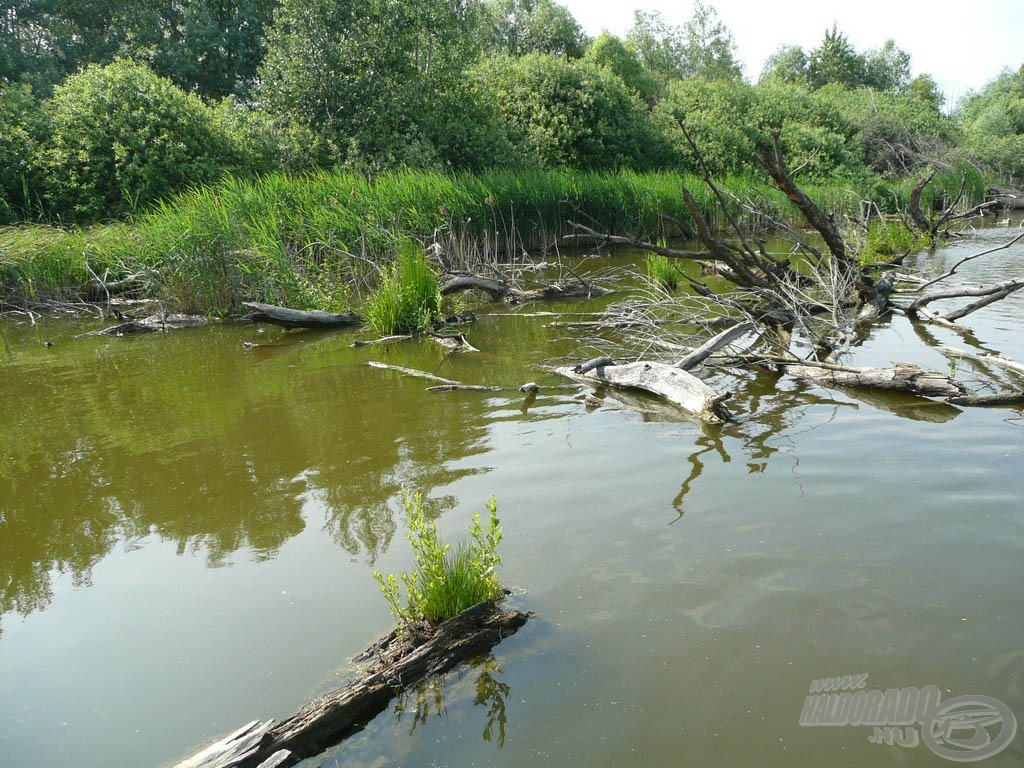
408,297
662,271
446,580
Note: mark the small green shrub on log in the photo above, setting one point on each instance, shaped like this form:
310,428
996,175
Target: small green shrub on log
446,580
408,299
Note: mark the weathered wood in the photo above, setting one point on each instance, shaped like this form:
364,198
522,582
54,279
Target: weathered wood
443,384
502,292
902,377
668,382
396,662
162,321
299,318
462,388
877,302
987,357
456,343
497,290
708,348
382,340
404,661
411,372
989,401
229,750
589,365
989,295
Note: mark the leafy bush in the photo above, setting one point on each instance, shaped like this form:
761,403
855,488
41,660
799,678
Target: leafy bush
408,299
576,114
123,137
445,582
23,129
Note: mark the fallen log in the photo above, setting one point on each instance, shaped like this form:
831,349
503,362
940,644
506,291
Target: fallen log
708,348
989,401
397,662
668,382
445,385
298,318
989,295
456,343
162,321
502,292
382,340
902,377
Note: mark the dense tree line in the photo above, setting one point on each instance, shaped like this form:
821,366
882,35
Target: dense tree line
109,106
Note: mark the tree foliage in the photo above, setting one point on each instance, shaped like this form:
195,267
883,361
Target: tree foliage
24,132
560,112
123,137
993,125
518,27
367,73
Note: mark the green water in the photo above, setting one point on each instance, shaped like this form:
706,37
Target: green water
188,530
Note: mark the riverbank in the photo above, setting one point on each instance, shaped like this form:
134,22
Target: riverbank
317,241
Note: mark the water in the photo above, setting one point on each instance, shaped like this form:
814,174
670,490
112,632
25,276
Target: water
189,528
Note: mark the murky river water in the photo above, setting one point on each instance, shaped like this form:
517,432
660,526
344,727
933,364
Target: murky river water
188,530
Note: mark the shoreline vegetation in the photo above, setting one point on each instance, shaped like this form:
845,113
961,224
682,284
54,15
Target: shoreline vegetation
322,240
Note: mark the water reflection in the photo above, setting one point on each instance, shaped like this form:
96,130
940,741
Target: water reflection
431,698
192,439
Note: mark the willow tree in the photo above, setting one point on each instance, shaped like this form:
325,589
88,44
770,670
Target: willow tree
368,73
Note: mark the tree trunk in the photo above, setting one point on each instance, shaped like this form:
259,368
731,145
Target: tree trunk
674,385
398,661
299,318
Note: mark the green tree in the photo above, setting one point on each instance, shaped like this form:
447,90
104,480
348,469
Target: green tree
518,27
561,112
23,131
660,46
836,61
123,137
993,125
367,74
788,64
710,51
609,51
213,47
887,68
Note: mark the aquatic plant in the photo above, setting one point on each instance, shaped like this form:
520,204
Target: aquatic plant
662,271
446,580
408,298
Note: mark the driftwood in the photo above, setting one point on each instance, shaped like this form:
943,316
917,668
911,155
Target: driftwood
903,377
397,662
502,292
708,348
445,385
989,295
162,321
456,343
989,401
668,382
299,318
99,289
382,340
877,302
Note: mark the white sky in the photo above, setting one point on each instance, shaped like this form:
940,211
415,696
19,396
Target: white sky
962,45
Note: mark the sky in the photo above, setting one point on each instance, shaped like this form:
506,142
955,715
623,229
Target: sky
963,46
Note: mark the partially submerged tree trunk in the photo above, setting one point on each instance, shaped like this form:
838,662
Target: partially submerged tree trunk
902,377
500,291
397,662
672,384
162,321
299,318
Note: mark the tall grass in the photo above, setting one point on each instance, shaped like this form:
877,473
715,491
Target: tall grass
445,582
290,239
408,299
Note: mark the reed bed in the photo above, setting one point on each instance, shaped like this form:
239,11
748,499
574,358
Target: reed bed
306,240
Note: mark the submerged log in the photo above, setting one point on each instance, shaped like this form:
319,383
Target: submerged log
397,662
503,292
902,377
668,382
162,321
299,318
445,385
